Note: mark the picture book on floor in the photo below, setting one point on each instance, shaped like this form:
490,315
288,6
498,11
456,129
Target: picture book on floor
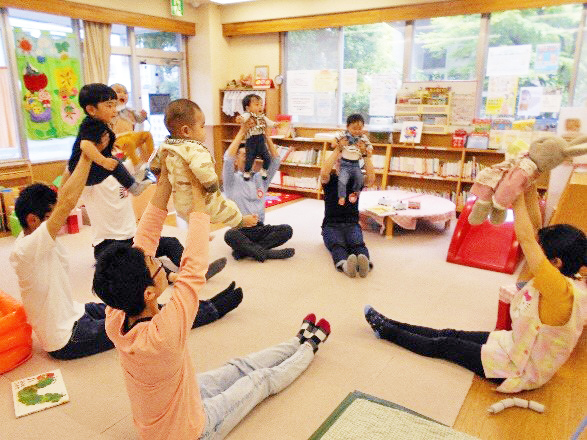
36,393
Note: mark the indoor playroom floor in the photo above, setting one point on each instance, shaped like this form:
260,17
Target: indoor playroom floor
410,281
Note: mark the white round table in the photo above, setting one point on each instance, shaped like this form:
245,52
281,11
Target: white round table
432,208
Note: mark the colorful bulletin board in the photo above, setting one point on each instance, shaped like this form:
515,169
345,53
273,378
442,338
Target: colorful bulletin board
49,69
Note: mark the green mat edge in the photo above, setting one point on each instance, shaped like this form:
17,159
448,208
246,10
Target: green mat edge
350,398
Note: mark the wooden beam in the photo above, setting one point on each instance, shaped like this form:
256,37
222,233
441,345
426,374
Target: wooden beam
396,13
102,15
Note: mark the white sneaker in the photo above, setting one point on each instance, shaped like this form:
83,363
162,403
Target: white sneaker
263,173
246,175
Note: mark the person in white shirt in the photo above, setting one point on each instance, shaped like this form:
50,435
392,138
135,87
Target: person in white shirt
65,328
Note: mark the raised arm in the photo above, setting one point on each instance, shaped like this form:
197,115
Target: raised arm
369,169
68,195
533,206
151,223
270,145
328,164
526,235
236,142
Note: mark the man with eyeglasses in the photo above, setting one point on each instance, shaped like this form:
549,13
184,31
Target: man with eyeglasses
65,328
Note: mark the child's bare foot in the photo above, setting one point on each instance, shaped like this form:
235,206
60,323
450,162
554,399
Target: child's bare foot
341,201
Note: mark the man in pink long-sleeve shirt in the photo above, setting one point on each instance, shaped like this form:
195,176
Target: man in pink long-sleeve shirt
167,400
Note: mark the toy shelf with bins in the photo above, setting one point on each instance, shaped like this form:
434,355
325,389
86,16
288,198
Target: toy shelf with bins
427,113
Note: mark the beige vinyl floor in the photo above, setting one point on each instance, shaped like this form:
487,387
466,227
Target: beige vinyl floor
411,281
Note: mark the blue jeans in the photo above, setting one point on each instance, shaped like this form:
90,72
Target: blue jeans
349,169
88,335
230,392
343,239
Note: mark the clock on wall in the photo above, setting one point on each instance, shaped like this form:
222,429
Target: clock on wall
278,80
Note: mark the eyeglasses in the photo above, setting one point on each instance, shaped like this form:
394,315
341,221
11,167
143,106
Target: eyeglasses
158,269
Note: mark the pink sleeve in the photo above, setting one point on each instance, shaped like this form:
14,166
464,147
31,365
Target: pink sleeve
179,313
149,229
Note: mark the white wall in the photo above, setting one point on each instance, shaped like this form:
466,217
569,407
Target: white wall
246,52
270,9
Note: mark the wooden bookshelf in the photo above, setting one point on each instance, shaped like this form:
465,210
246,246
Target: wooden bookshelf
228,128
453,176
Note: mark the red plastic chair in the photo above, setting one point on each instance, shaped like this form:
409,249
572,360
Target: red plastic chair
16,343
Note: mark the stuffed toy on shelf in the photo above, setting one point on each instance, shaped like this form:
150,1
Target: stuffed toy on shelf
496,187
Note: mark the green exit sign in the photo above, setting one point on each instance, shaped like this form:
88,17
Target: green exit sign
177,8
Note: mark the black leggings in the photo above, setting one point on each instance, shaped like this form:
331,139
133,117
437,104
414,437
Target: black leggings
460,347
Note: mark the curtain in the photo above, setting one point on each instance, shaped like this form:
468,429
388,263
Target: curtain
8,137
96,52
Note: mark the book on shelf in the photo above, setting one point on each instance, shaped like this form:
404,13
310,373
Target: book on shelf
39,392
276,180
300,182
302,157
378,161
283,151
424,166
436,95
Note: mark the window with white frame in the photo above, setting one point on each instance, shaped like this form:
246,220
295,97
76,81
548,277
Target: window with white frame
373,66
9,137
530,61
364,62
152,68
445,48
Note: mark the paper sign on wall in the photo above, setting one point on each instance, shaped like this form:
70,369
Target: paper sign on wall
383,93
326,81
551,103
530,101
501,95
509,60
300,104
300,81
349,80
324,104
547,58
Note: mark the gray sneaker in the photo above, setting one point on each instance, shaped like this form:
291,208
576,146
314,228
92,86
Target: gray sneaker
364,268
350,266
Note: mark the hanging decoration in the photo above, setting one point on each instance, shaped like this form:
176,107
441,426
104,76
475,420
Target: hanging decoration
50,70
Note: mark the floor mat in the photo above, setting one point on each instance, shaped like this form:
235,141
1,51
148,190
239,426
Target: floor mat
362,416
